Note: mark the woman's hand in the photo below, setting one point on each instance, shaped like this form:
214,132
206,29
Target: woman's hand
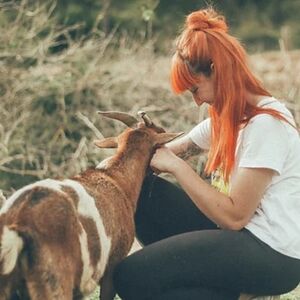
164,160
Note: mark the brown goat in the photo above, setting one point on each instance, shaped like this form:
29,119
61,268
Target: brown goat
61,239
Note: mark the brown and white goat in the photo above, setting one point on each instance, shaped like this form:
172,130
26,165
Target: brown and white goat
61,238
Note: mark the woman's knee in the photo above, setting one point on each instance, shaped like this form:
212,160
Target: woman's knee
126,280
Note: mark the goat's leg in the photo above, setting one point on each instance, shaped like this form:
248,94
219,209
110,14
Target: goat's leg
80,297
20,293
5,292
38,291
107,290
12,287
5,289
46,284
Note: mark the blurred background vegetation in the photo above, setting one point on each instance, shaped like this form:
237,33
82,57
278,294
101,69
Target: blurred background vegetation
62,61
258,23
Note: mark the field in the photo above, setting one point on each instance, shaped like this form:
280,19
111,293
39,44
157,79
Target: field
62,94
49,98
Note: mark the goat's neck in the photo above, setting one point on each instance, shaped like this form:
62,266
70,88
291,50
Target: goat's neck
129,169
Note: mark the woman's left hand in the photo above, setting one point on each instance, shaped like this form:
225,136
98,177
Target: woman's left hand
164,160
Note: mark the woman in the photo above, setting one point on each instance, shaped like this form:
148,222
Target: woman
204,243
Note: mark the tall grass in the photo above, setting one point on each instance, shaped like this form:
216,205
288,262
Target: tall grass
49,98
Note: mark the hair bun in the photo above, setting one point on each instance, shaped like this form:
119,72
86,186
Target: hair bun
206,19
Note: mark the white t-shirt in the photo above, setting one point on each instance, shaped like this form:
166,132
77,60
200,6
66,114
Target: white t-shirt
267,142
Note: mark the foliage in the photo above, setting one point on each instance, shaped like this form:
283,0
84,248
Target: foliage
258,23
49,99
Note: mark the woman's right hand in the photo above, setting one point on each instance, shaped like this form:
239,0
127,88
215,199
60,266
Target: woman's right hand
164,160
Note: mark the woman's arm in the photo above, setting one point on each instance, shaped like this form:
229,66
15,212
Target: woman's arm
184,147
233,211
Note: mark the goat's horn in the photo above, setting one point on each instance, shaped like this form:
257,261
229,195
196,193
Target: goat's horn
127,119
146,118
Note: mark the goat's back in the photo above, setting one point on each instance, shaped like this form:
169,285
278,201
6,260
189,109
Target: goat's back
70,224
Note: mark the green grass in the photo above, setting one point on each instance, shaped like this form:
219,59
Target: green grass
293,295
95,296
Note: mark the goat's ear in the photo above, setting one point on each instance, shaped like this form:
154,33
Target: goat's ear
110,142
164,138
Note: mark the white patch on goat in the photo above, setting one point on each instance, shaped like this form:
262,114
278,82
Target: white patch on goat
104,163
87,208
47,183
87,284
11,246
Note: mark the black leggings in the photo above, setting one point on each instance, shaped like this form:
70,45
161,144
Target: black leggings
188,257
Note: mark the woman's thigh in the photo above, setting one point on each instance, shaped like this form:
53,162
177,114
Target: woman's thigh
226,261
164,210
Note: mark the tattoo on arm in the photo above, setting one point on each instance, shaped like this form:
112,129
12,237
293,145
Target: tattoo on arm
188,150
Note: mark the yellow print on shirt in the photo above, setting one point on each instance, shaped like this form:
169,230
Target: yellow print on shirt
217,181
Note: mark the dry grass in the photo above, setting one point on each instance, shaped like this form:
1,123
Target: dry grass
49,100
280,73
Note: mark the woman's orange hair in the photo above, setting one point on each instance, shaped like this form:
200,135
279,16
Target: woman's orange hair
204,42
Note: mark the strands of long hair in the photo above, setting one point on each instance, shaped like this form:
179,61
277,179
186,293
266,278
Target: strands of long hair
204,41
